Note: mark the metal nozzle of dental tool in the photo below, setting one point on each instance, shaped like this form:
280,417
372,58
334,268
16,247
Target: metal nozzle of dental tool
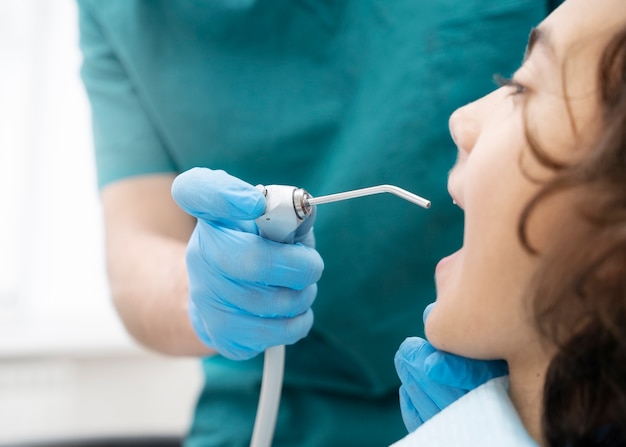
403,193
287,206
303,201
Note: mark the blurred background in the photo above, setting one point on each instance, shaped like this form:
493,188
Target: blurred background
68,370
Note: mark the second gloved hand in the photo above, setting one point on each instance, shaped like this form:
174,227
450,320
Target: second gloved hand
433,379
247,293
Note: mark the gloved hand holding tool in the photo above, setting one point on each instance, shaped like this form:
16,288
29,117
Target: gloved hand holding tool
247,293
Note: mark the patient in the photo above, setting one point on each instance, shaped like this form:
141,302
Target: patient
541,278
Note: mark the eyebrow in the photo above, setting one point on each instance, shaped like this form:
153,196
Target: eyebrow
538,36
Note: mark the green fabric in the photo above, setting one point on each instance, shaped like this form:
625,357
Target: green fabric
330,96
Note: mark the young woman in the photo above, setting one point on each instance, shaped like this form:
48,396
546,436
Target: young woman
541,278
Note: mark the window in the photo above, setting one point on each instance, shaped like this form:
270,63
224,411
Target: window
53,290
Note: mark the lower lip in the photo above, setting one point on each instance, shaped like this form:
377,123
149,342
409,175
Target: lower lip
446,261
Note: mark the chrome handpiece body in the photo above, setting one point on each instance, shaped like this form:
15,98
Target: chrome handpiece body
286,209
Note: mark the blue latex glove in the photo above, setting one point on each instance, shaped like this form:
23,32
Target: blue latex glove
433,379
246,293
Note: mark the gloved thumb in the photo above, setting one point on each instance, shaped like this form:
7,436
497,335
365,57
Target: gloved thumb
215,196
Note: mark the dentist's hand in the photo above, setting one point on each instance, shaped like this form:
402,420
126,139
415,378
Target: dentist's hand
433,379
247,293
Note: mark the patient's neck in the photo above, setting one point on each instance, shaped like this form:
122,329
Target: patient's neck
527,379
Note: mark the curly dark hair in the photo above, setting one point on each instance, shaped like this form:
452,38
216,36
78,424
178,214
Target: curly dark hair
580,288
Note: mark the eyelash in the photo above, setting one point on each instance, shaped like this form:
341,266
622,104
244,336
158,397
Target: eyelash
517,88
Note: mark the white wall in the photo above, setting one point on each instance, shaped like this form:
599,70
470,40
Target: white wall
67,367
59,398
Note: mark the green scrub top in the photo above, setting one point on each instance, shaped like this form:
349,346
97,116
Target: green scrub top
330,96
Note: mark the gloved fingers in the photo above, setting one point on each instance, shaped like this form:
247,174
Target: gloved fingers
410,415
199,325
416,385
421,401
216,196
442,395
429,396
427,311
262,301
307,239
294,266
420,405
254,334
413,350
304,233
250,258
462,372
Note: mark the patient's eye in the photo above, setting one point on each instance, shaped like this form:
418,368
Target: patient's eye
516,87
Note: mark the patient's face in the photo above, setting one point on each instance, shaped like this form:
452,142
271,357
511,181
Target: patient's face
481,309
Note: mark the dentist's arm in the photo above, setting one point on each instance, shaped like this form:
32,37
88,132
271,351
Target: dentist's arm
146,239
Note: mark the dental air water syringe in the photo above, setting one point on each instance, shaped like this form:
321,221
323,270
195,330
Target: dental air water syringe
287,208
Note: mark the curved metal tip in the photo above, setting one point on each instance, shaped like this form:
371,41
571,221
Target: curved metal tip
402,193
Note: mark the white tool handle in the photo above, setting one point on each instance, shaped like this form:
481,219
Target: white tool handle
279,223
267,411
